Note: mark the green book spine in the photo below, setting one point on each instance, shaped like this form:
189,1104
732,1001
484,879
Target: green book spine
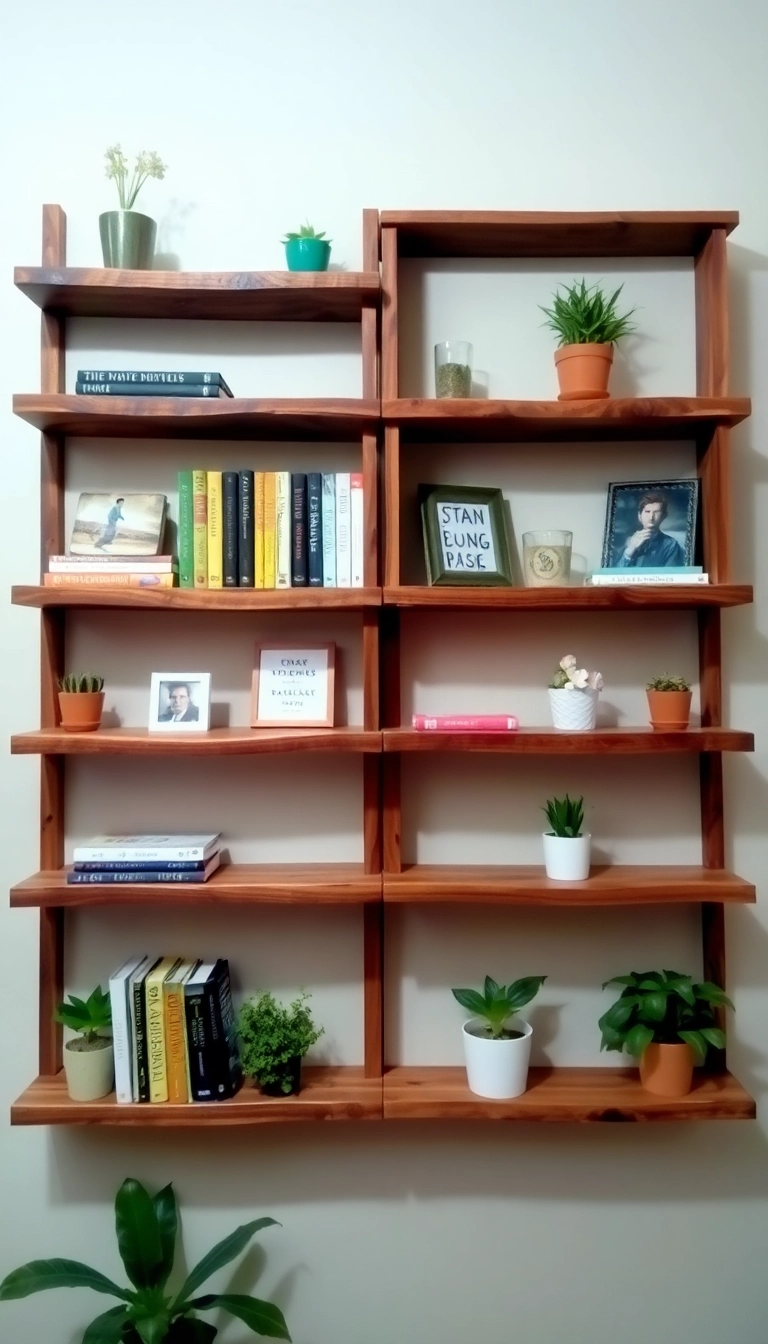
186,533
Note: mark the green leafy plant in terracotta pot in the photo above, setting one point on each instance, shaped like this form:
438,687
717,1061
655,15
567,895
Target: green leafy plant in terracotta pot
497,1042
669,702
587,324
81,701
89,1063
273,1041
128,237
146,1228
307,250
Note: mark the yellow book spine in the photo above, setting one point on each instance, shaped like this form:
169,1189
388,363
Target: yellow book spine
175,1042
215,531
258,528
270,521
153,988
200,527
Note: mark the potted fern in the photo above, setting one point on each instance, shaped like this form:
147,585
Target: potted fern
89,1064
566,849
128,237
587,325
81,700
497,1043
669,702
273,1041
307,250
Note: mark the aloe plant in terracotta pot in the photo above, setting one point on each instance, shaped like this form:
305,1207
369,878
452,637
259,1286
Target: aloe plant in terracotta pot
587,325
669,702
81,700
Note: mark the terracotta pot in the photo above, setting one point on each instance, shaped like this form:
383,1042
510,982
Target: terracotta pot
583,371
667,1070
669,709
80,710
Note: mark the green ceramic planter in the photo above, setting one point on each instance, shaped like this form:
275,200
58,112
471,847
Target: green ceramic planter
307,254
127,240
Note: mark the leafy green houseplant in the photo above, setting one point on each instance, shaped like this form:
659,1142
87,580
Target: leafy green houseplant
669,702
146,1229
81,683
307,250
274,1039
89,1065
497,1043
566,848
81,700
587,324
128,237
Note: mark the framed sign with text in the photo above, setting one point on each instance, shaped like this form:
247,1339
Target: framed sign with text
465,536
293,686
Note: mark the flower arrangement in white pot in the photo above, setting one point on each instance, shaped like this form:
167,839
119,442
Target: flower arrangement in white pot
566,850
497,1043
573,693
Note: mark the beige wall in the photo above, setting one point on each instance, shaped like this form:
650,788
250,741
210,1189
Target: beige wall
267,114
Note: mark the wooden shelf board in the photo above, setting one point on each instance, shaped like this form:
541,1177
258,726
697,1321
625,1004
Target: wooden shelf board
502,233
197,418
552,742
232,884
571,1094
199,599
607,884
438,419
327,1094
283,296
619,597
216,742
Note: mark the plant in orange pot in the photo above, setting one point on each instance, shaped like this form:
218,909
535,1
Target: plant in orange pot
81,700
588,326
668,1023
669,702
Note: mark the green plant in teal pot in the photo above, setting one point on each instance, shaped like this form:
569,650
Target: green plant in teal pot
307,250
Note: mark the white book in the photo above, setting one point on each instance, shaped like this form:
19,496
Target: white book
356,528
328,507
611,580
283,529
138,974
343,531
121,1028
147,848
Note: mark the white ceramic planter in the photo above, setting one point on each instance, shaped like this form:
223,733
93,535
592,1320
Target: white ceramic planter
90,1074
573,711
566,859
497,1069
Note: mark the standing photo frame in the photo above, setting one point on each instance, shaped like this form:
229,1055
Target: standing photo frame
293,686
651,524
465,536
180,702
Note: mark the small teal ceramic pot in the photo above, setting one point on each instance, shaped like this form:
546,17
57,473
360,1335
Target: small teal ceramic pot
307,254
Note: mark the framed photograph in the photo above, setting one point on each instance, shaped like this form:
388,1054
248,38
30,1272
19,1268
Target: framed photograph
124,525
465,536
180,702
651,524
293,686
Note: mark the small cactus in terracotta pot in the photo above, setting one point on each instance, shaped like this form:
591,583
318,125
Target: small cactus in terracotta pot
669,702
81,700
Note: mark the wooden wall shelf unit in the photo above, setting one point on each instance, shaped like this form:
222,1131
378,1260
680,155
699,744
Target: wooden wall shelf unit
373,1090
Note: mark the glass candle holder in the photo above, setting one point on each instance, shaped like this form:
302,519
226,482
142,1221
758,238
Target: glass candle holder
453,369
547,558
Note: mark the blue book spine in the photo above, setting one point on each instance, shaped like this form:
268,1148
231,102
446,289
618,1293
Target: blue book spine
159,866
328,510
111,877
315,529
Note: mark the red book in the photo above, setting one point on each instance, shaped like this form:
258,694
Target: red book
466,723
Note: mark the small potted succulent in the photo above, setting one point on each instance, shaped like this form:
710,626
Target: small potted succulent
669,702
307,250
89,1063
587,326
668,1022
566,849
273,1041
497,1043
127,237
573,693
81,700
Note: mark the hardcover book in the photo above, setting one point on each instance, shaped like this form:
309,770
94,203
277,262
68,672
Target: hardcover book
329,530
215,530
153,988
200,526
177,1062
148,390
147,848
314,530
116,876
141,579
133,980
140,1028
245,530
258,528
199,1045
283,529
270,516
112,564
227,1070
343,531
299,530
229,487
357,536
114,524
119,983
178,378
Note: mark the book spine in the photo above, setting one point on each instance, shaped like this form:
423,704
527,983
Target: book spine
158,1081
216,1060
299,530
283,529
245,530
270,516
343,531
200,527
616,580
148,390
329,530
142,1072
175,1042
148,376
194,1001
215,530
121,1039
95,854
229,482
172,866
114,876
467,723
167,579
314,529
230,1070
258,530
160,564
357,535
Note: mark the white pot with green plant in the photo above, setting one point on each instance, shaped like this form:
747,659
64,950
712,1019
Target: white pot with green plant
573,693
497,1043
587,326
566,849
128,237
273,1039
89,1062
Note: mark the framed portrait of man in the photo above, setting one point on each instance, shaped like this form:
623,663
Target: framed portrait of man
180,702
651,524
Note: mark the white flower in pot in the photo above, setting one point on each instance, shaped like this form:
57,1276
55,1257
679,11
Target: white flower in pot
566,850
89,1062
497,1043
573,693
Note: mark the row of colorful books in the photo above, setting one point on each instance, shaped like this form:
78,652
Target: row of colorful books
149,383
115,859
173,1030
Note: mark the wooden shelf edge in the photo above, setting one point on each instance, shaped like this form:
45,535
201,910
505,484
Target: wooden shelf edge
236,884
190,599
551,742
613,885
612,413
626,597
216,742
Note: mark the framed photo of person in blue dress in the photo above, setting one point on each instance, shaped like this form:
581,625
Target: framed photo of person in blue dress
651,524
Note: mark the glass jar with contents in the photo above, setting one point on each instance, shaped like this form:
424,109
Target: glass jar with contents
547,559
453,369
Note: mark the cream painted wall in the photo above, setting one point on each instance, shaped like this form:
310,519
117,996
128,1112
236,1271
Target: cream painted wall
266,114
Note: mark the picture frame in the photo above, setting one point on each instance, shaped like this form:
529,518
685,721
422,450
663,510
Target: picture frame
466,543
293,686
670,509
180,702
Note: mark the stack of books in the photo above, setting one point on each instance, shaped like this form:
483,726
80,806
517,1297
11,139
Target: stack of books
602,578
271,529
142,383
116,542
173,1028
113,859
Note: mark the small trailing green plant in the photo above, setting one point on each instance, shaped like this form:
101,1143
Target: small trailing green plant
86,1016
665,683
272,1036
586,315
146,1229
80,683
306,231
565,816
664,1007
498,1003
148,164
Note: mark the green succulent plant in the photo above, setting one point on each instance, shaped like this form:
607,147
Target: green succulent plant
584,314
664,1007
665,683
497,1003
87,1016
565,816
81,683
306,231
272,1035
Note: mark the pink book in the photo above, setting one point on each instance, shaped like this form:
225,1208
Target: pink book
466,723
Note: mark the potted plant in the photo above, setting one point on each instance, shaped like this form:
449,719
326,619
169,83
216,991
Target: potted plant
89,1062
127,237
274,1040
573,693
666,1021
146,1229
307,250
669,702
566,850
81,700
588,326
497,1043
